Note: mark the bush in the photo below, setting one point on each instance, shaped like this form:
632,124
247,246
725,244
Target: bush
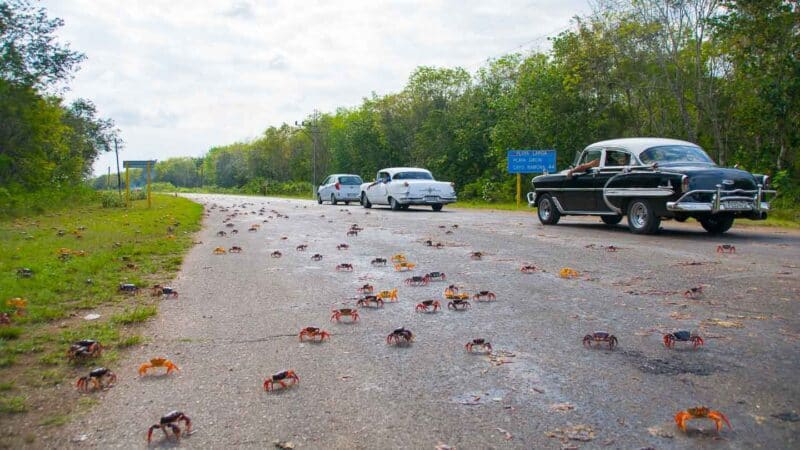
112,200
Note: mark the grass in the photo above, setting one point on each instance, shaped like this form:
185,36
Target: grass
105,247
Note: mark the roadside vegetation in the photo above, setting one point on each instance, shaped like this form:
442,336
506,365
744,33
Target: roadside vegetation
77,257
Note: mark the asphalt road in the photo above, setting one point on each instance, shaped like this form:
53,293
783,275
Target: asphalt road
238,316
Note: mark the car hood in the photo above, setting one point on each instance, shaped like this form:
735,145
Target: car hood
708,177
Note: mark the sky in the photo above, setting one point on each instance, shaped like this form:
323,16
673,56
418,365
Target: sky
180,77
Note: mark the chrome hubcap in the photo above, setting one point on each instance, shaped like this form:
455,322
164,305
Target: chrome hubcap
544,209
638,215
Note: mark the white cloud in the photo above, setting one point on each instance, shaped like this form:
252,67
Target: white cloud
180,77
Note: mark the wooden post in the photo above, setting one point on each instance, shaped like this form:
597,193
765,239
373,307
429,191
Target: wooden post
519,189
149,201
127,187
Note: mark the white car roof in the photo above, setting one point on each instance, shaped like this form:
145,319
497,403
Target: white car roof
344,175
394,170
638,145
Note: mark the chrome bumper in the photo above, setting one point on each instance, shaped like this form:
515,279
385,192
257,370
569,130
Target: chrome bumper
738,200
425,201
531,199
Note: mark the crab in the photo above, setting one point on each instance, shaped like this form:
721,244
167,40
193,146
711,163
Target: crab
390,295
96,377
24,272
404,266
5,319
378,262
416,281
314,333
281,378
366,289
694,293
18,303
566,272
220,251
451,294
337,314
600,337
726,248
342,247
476,256
352,233
479,342
436,276
254,227
169,421
85,348
344,267
276,254
301,247
128,288
316,257
484,296
157,362
528,268
165,291
612,248
429,243
368,299
400,336
682,336
229,225
425,304
438,245
701,412
235,249
399,258
234,231
458,304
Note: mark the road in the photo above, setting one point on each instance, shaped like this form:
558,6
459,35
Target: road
238,316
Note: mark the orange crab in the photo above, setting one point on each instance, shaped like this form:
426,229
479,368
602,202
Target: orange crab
399,258
18,303
388,295
452,293
280,377
220,251
404,266
701,412
157,362
566,272
314,333
337,314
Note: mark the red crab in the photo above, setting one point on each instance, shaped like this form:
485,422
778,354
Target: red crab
436,276
458,304
85,348
235,249
221,233
276,254
701,412
694,293
528,268
314,333
400,336
316,257
96,378
416,281
5,319
479,342
342,247
476,256
611,248
369,299
682,336
378,262
726,248
352,233
164,291
301,247
425,304
366,289
344,267
168,421
337,314
599,337
484,296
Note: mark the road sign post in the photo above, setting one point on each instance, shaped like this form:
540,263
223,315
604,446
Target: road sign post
146,165
530,161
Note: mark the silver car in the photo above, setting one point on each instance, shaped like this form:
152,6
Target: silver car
340,187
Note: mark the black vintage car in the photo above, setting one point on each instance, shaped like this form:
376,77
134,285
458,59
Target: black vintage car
650,179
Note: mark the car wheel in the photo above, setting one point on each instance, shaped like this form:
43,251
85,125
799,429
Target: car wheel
717,224
547,212
642,217
346,203
333,199
611,220
365,201
393,203
405,207
319,199
437,207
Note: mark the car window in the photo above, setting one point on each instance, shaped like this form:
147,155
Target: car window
413,176
617,158
350,180
383,176
674,154
589,156
327,181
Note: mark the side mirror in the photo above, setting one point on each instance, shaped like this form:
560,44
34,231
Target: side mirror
593,170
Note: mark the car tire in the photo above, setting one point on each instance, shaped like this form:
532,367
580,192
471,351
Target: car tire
405,207
437,207
347,202
394,205
319,199
546,210
611,220
717,224
365,201
642,218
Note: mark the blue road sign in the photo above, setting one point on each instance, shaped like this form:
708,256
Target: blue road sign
531,161
138,164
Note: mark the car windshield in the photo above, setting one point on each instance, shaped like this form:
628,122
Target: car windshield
413,176
350,180
671,154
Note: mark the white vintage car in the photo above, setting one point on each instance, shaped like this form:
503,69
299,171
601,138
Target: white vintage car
401,187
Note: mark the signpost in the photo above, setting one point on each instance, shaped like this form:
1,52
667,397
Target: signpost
146,165
530,161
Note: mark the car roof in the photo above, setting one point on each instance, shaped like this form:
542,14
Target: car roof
394,170
638,145
344,175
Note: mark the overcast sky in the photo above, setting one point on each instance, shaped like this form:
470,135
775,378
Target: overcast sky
180,77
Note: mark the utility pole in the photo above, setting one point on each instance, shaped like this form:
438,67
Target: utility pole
119,177
314,125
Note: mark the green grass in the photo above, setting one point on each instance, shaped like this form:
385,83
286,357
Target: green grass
10,332
137,315
56,420
6,386
13,405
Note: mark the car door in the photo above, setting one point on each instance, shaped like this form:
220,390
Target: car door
578,193
614,162
376,192
323,189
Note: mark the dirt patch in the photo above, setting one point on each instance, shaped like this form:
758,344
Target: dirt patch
672,365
